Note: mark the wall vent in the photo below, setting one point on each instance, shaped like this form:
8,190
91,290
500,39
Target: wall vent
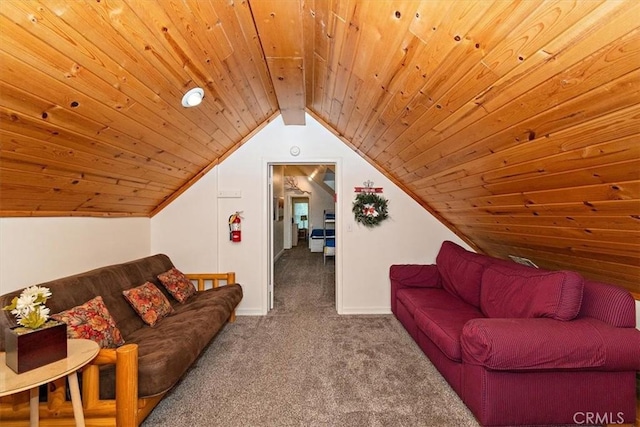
523,261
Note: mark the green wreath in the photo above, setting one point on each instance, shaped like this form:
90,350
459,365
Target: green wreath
370,209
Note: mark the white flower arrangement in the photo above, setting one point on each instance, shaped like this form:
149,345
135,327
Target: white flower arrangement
29,307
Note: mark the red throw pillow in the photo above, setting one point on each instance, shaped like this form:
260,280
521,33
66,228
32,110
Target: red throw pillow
149,302
177,284
91,321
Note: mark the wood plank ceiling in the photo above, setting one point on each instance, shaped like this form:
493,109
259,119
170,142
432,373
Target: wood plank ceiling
516,123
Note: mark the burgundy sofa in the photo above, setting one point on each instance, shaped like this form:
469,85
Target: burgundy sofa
520,345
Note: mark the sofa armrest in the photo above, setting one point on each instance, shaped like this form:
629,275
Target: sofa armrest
542,343
125,359
412,276
201,280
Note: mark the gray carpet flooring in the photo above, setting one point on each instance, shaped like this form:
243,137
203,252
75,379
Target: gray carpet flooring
304,365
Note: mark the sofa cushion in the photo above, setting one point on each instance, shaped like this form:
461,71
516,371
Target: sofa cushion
168,350
443,325
461,272
91,321
415,298
150,304
439,315
177,284
519,291
531,344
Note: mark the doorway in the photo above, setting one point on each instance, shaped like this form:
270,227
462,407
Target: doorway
308,190
300,216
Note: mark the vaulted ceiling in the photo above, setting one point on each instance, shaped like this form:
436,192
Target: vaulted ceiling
516,123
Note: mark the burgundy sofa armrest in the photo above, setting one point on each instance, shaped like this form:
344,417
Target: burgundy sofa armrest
412,276
543,343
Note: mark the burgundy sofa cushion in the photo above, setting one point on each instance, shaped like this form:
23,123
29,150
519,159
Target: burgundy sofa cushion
530,344
443,325
516,291
415,298
461,271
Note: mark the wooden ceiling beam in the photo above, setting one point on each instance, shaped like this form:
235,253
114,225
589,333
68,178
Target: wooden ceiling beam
279,25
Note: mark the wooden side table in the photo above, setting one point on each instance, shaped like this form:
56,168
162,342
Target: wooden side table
79,353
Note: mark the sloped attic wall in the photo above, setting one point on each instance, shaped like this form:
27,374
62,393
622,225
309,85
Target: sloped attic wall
193,229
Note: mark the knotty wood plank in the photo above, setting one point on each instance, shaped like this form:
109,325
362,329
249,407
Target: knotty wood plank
447,128
117,78
200,23
575,180
599,234
586,208
308,38
26,150
35,186
576,43
18,165
629,190
288,81
161,28
556,152
474,28
335,30
380,49
605,271
494,135
238,23
627,222
107,143
346,40
64,124
63,97
611,250
280,29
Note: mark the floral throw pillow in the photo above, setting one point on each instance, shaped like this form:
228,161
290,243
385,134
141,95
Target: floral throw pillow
91,321
149,302
177,284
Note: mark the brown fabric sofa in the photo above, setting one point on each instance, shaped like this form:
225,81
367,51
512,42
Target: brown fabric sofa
121,386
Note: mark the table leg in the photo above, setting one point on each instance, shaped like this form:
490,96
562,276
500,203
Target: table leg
76,399
34,407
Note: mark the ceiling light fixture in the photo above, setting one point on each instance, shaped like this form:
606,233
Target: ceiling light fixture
193,97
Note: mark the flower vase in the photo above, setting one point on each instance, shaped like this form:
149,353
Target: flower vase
27,349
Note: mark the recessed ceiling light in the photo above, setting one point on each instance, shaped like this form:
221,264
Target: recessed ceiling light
193,97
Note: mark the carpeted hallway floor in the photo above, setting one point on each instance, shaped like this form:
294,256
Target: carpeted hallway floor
304,365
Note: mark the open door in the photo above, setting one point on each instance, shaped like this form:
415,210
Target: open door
270,252
307,190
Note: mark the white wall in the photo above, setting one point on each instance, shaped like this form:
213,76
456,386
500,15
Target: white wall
188,229
364,255
36,250
319,201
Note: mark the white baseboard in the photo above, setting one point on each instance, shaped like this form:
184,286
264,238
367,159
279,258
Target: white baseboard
249,312
366,310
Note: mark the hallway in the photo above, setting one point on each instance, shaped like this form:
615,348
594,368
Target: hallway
303,283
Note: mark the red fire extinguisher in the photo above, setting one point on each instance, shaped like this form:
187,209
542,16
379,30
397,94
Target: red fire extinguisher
235,233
